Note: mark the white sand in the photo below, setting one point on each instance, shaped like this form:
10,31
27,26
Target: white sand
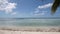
29,30
20,32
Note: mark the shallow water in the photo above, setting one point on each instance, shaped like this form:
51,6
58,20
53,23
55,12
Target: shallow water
29,22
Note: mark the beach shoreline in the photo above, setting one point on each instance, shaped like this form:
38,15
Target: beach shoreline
32,29
29,30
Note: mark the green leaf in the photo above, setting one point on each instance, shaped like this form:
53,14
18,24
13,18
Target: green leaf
55,6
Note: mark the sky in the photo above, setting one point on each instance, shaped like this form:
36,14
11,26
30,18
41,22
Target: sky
27,8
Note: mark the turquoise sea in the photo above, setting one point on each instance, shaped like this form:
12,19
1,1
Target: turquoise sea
29,22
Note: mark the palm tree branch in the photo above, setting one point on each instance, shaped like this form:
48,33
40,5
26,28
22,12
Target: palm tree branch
55,6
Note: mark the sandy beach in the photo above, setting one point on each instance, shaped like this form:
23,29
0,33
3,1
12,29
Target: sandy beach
29,30
20,32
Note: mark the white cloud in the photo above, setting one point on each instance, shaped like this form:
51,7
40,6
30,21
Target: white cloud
36,11
10,7
14,13
40,13
45,6
7,6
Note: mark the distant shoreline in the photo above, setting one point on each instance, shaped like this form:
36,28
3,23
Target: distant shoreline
34,18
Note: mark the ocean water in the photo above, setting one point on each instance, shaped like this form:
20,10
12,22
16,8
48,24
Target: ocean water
29,22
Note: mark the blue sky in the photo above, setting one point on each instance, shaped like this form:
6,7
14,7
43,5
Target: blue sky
26,8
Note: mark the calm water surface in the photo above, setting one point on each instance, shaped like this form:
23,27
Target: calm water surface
29,22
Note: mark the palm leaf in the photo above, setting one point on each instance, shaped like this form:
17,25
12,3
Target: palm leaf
55,6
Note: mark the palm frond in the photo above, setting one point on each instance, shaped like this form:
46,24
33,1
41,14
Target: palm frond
55,6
